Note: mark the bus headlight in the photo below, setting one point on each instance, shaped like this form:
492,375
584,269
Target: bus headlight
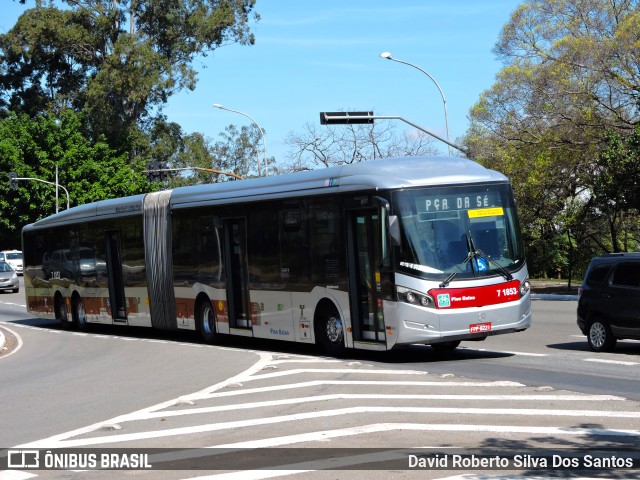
524,288
426,301
415,298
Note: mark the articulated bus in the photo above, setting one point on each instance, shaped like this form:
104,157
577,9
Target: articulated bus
372,255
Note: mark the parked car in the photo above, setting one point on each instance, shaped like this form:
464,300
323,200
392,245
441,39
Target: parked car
609,300
8,278
13,258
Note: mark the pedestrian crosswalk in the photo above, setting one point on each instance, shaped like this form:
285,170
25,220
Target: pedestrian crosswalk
373,415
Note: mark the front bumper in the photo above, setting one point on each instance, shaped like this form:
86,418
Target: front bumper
428,326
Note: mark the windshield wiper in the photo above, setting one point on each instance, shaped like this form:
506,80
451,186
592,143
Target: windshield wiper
503,271
490,263
475,254
470,256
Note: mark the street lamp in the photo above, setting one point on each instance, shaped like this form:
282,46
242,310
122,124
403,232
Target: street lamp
388,56
264,144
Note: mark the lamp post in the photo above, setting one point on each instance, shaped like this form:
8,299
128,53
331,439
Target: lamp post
264,144
388,56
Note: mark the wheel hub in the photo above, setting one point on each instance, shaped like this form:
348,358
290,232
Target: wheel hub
334,330
597,334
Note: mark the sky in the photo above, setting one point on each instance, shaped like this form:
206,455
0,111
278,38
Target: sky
312,56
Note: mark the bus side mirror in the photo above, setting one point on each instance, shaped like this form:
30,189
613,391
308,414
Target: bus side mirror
394,230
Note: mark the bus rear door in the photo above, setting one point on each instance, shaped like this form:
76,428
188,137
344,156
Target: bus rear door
117,299
236,267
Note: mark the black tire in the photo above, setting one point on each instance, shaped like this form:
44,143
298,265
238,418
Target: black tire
79,314
446,346
61,313
600,337
331,332
16,290
207,322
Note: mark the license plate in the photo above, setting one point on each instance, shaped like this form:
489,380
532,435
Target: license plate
480,327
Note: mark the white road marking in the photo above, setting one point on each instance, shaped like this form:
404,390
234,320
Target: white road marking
300,371
315,383
15,475
396,454
525,354
264,358
306,360
358,396
613,362
323,435
18,339
271,359
61,441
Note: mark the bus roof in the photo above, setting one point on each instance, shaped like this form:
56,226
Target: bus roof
382,174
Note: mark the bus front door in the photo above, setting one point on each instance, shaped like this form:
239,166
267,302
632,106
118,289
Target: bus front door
365,295
236,267
117,299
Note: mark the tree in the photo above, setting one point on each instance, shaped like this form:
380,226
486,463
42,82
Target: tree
239,151
235,155
342,144
84,57
33,148
571,79
577,61
615,195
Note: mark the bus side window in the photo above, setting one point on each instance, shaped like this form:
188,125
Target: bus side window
209,250
295,254
326,245
184,266
264,268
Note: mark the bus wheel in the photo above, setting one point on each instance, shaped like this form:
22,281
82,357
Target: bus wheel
446,346
332,333
61,312
207,322
79,315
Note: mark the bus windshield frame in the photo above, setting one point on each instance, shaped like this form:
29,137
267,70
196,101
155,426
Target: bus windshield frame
464,231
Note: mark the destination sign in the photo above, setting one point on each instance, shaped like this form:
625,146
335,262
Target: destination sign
444,203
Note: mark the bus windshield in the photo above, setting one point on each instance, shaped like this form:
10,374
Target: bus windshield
464,232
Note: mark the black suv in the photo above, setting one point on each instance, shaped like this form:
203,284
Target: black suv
609,300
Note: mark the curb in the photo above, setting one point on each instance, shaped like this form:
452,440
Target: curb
549,296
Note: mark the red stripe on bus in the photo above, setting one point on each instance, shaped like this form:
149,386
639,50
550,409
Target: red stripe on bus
448,298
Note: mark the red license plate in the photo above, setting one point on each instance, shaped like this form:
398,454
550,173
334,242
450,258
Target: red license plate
480,327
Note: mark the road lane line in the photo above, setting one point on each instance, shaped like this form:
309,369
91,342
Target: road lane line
613,362
18,339
304,371
359,396
62,441
282,470
486,350
317,383
323,435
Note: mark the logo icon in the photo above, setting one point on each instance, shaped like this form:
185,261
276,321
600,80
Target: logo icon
481,264
444,300
23,459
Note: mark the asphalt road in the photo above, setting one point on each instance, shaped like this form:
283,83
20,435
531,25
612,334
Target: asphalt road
539,389
553,352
